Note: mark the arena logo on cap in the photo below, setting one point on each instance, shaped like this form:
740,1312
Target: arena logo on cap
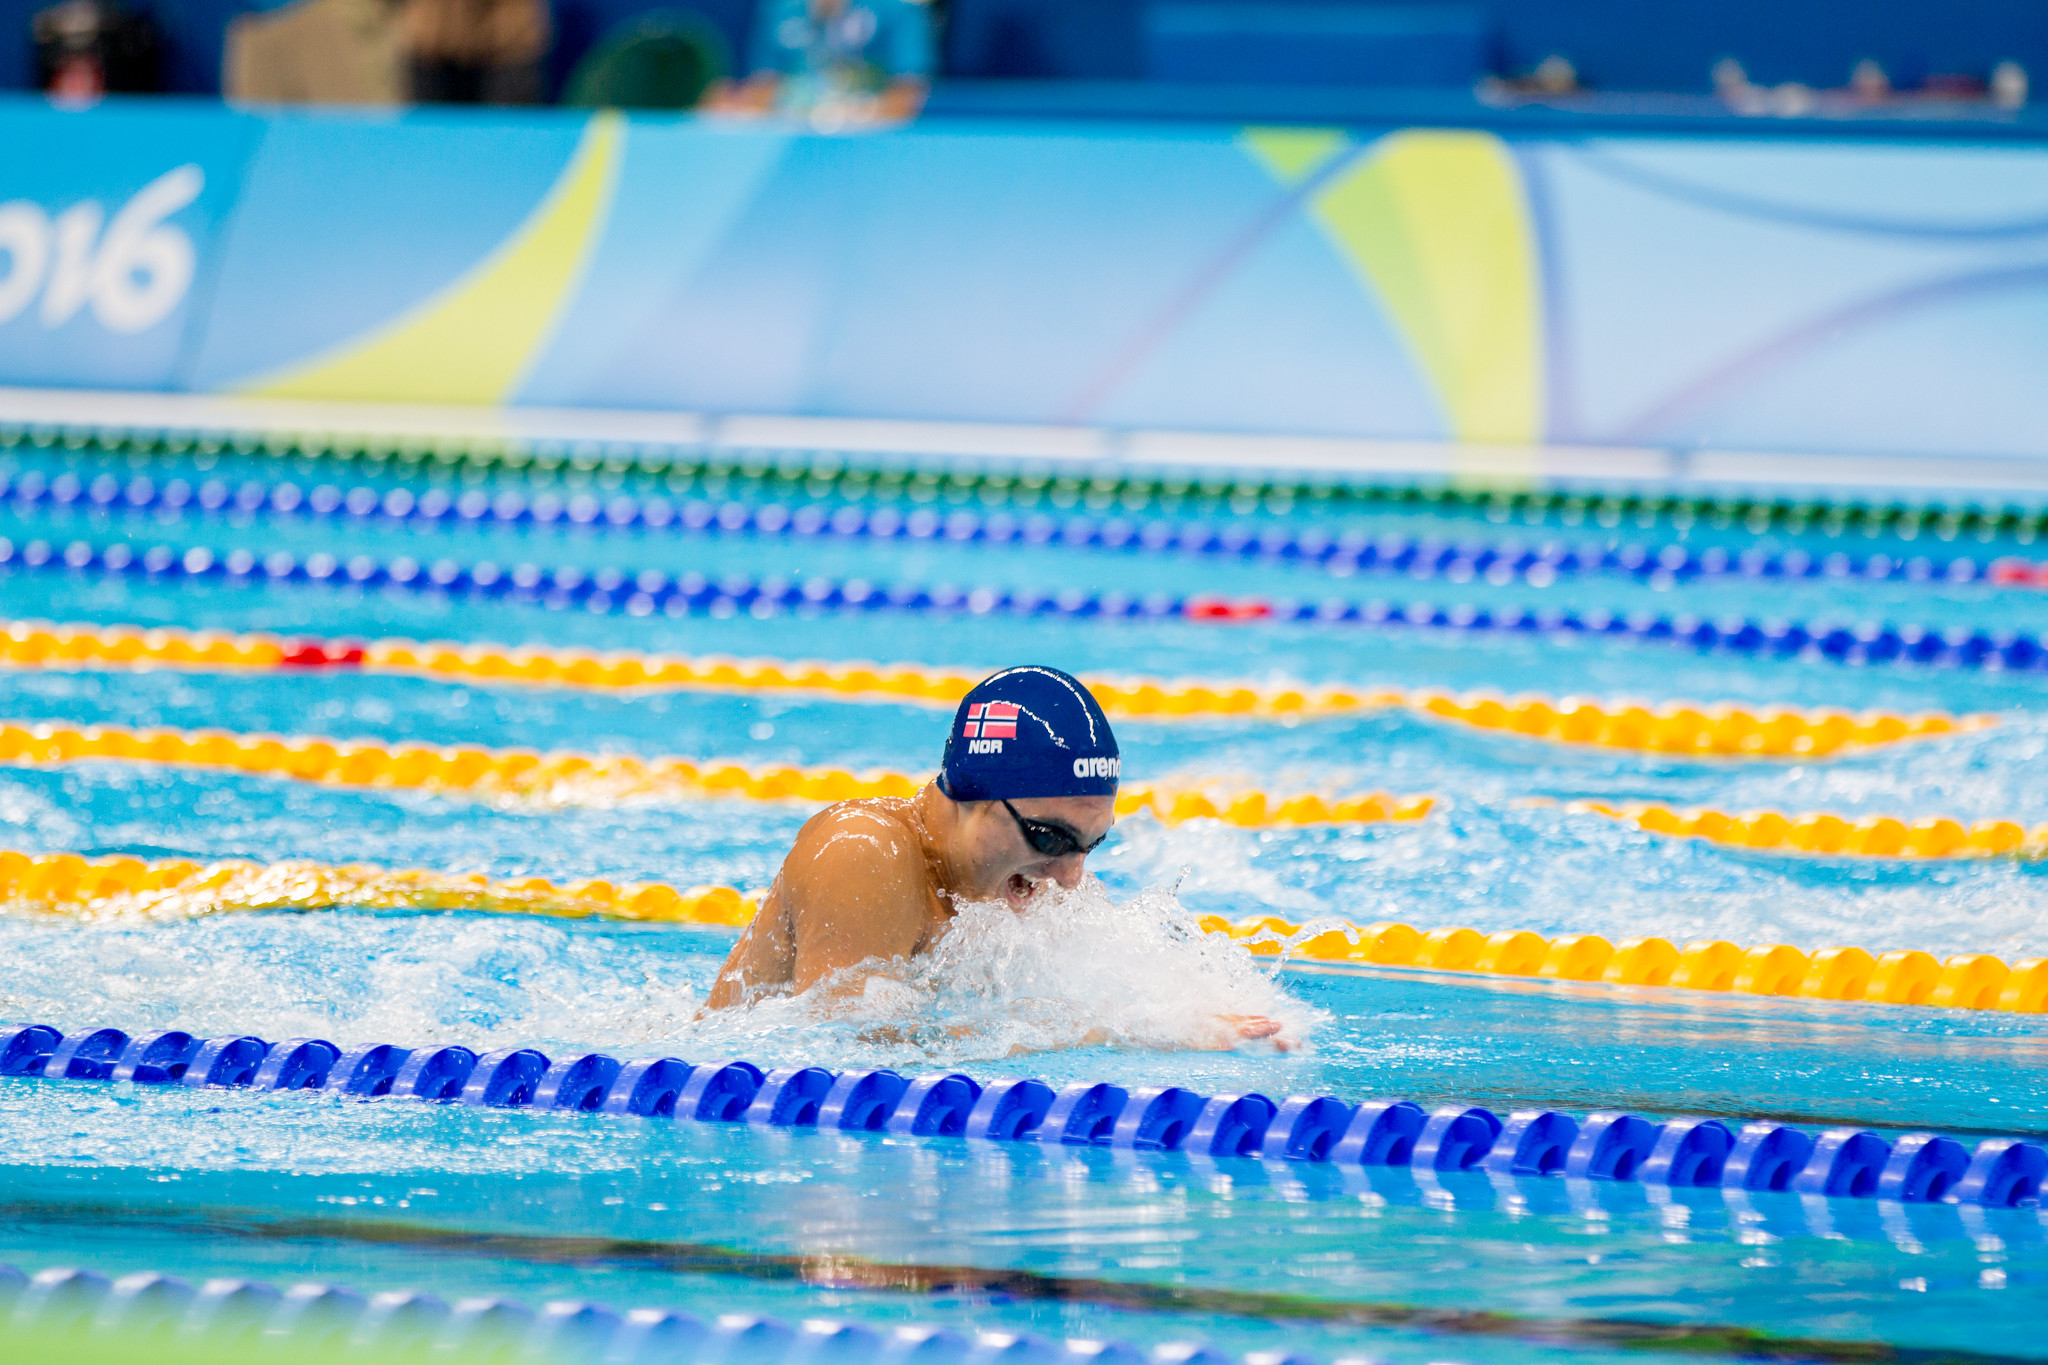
1098,767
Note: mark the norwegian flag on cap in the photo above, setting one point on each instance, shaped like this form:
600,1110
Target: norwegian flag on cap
991,720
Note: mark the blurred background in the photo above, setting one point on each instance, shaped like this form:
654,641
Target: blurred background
1196,58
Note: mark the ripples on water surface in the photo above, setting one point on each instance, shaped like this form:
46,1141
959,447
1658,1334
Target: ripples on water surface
124,1179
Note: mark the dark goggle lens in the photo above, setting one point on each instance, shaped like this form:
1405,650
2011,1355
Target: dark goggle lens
1050,840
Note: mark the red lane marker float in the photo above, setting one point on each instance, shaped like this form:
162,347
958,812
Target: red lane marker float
1223,609
314,654
2018,573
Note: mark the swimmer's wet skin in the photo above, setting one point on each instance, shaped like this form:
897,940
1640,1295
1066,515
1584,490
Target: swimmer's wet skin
1026,790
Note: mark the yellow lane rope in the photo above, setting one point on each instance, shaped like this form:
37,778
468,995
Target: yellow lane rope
1969,981
1870,836
177,888
1722,729
524,775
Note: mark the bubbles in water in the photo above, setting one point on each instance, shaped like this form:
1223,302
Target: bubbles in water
1074,970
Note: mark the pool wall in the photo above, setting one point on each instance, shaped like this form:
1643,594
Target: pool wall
1403,284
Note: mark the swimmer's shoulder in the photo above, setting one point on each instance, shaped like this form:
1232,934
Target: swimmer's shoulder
874,836
882,817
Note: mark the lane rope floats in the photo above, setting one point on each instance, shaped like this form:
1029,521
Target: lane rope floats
116,887
167,1323
644,592
176,888
1340,551
64,1308
1835,836
527,775
1671,727
1605,1145
1975,981
768,473
1723,728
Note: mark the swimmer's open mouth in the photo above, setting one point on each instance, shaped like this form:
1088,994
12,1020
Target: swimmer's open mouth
1021,887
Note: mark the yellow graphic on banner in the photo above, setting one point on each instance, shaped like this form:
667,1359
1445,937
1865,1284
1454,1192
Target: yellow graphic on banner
476,340
1437,226
1292,155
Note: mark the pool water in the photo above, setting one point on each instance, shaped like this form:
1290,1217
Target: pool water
1145,1248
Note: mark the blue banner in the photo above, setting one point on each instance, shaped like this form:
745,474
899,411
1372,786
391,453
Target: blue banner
1402,284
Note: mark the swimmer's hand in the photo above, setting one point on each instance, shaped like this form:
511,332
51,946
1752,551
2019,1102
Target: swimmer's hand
1247,1028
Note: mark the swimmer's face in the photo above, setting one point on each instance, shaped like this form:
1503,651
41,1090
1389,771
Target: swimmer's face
1005,865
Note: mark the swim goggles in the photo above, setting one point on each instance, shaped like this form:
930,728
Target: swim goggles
1053,841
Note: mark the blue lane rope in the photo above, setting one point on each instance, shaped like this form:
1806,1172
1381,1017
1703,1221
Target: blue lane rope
644,592
1613,1146
572,1332
783,469
1339,552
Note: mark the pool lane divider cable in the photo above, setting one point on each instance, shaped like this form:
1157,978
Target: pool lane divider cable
644,592
1976,981
1606,1145
782,473
68,1309
116,887
1834,836
119,887
1673,727
528,776
1342,551
71,1314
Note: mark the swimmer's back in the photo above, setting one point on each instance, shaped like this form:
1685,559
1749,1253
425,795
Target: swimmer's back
856,885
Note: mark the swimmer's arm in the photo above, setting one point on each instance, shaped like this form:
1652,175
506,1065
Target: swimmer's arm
856,889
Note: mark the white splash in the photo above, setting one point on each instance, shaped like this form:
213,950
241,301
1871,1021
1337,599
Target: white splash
1074,970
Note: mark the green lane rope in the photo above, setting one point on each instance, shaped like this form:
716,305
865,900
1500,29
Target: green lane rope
686,470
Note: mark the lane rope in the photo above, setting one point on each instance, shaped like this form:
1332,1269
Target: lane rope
1671,727
1340,551
117,886
139,1310
644,592
1605,1145
772,473
1835,836
559,778
1976,981
68,1311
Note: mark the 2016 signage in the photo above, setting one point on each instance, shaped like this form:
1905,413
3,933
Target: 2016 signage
131,275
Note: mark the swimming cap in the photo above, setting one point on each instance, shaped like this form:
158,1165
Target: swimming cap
1026,732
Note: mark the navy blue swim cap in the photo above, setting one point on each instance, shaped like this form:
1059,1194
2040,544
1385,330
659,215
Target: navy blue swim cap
1027,732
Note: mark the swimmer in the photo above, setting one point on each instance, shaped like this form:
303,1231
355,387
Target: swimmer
1026,791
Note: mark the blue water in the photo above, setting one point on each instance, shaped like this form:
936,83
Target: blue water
122,1179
